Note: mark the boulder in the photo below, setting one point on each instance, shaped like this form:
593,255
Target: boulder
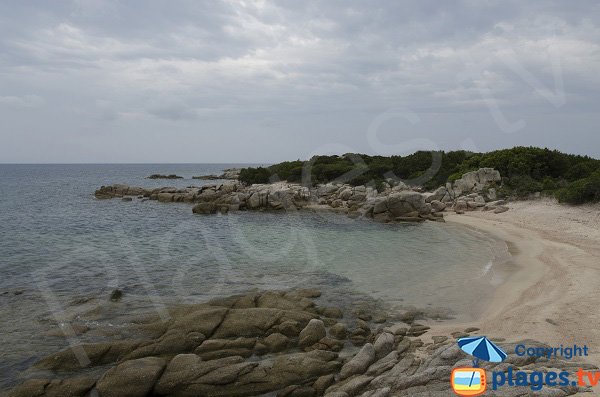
339,331
460,206
133,378
165,197
258,200
204,208
437,206
384,344
276,342
438,194
359,363
312,333
475,181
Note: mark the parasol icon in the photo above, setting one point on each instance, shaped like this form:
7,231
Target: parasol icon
482,348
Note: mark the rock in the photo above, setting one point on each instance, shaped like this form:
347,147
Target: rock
384,344
256,322
258,200
116,295
160,176
218,348
204,208
437,195
289,328
276,342
231,173
165,197
359,363
403,203
127,199
475,181
71,387
352,386
439,339
297,391
206,177
500,209
188,375
403,346
322,383
383,392
327,344
312,333
97,354
339,331
397,329
332,312
417,330
384,364
133,378
460,206
203,319
345,194
437,206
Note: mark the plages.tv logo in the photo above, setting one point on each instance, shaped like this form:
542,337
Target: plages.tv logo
471,381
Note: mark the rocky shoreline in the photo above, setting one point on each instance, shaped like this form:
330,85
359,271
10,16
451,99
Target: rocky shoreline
396,202
272,343
282,343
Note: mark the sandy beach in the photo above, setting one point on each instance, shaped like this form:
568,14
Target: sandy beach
552,296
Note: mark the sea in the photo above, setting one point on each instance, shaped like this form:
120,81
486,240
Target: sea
62,250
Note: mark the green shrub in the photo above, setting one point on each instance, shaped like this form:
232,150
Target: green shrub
581,191
254,175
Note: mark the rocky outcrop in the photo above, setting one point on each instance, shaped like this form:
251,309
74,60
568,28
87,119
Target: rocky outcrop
475,190
394,204
230,173
266,343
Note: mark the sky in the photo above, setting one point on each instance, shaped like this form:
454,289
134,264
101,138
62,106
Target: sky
90,81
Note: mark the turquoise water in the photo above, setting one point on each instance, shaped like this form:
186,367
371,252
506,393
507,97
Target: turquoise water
59,247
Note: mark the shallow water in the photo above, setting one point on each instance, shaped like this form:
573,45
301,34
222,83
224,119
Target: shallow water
60,247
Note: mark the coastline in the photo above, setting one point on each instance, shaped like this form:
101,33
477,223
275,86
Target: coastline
351,351
551,296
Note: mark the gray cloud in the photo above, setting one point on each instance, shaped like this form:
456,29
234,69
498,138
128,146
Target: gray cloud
210,81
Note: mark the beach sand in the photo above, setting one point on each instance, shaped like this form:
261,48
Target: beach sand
553,295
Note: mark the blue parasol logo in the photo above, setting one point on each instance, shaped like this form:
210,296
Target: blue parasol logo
482,349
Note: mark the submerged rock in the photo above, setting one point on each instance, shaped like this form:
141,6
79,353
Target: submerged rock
116,295
161,176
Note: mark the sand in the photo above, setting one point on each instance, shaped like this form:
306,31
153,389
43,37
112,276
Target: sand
553,295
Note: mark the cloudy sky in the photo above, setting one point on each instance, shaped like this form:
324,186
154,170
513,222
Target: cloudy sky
264,81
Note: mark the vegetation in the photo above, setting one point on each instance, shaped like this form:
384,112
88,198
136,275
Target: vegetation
525,170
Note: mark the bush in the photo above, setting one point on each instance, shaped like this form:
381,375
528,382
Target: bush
581,191
522,185
254,175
